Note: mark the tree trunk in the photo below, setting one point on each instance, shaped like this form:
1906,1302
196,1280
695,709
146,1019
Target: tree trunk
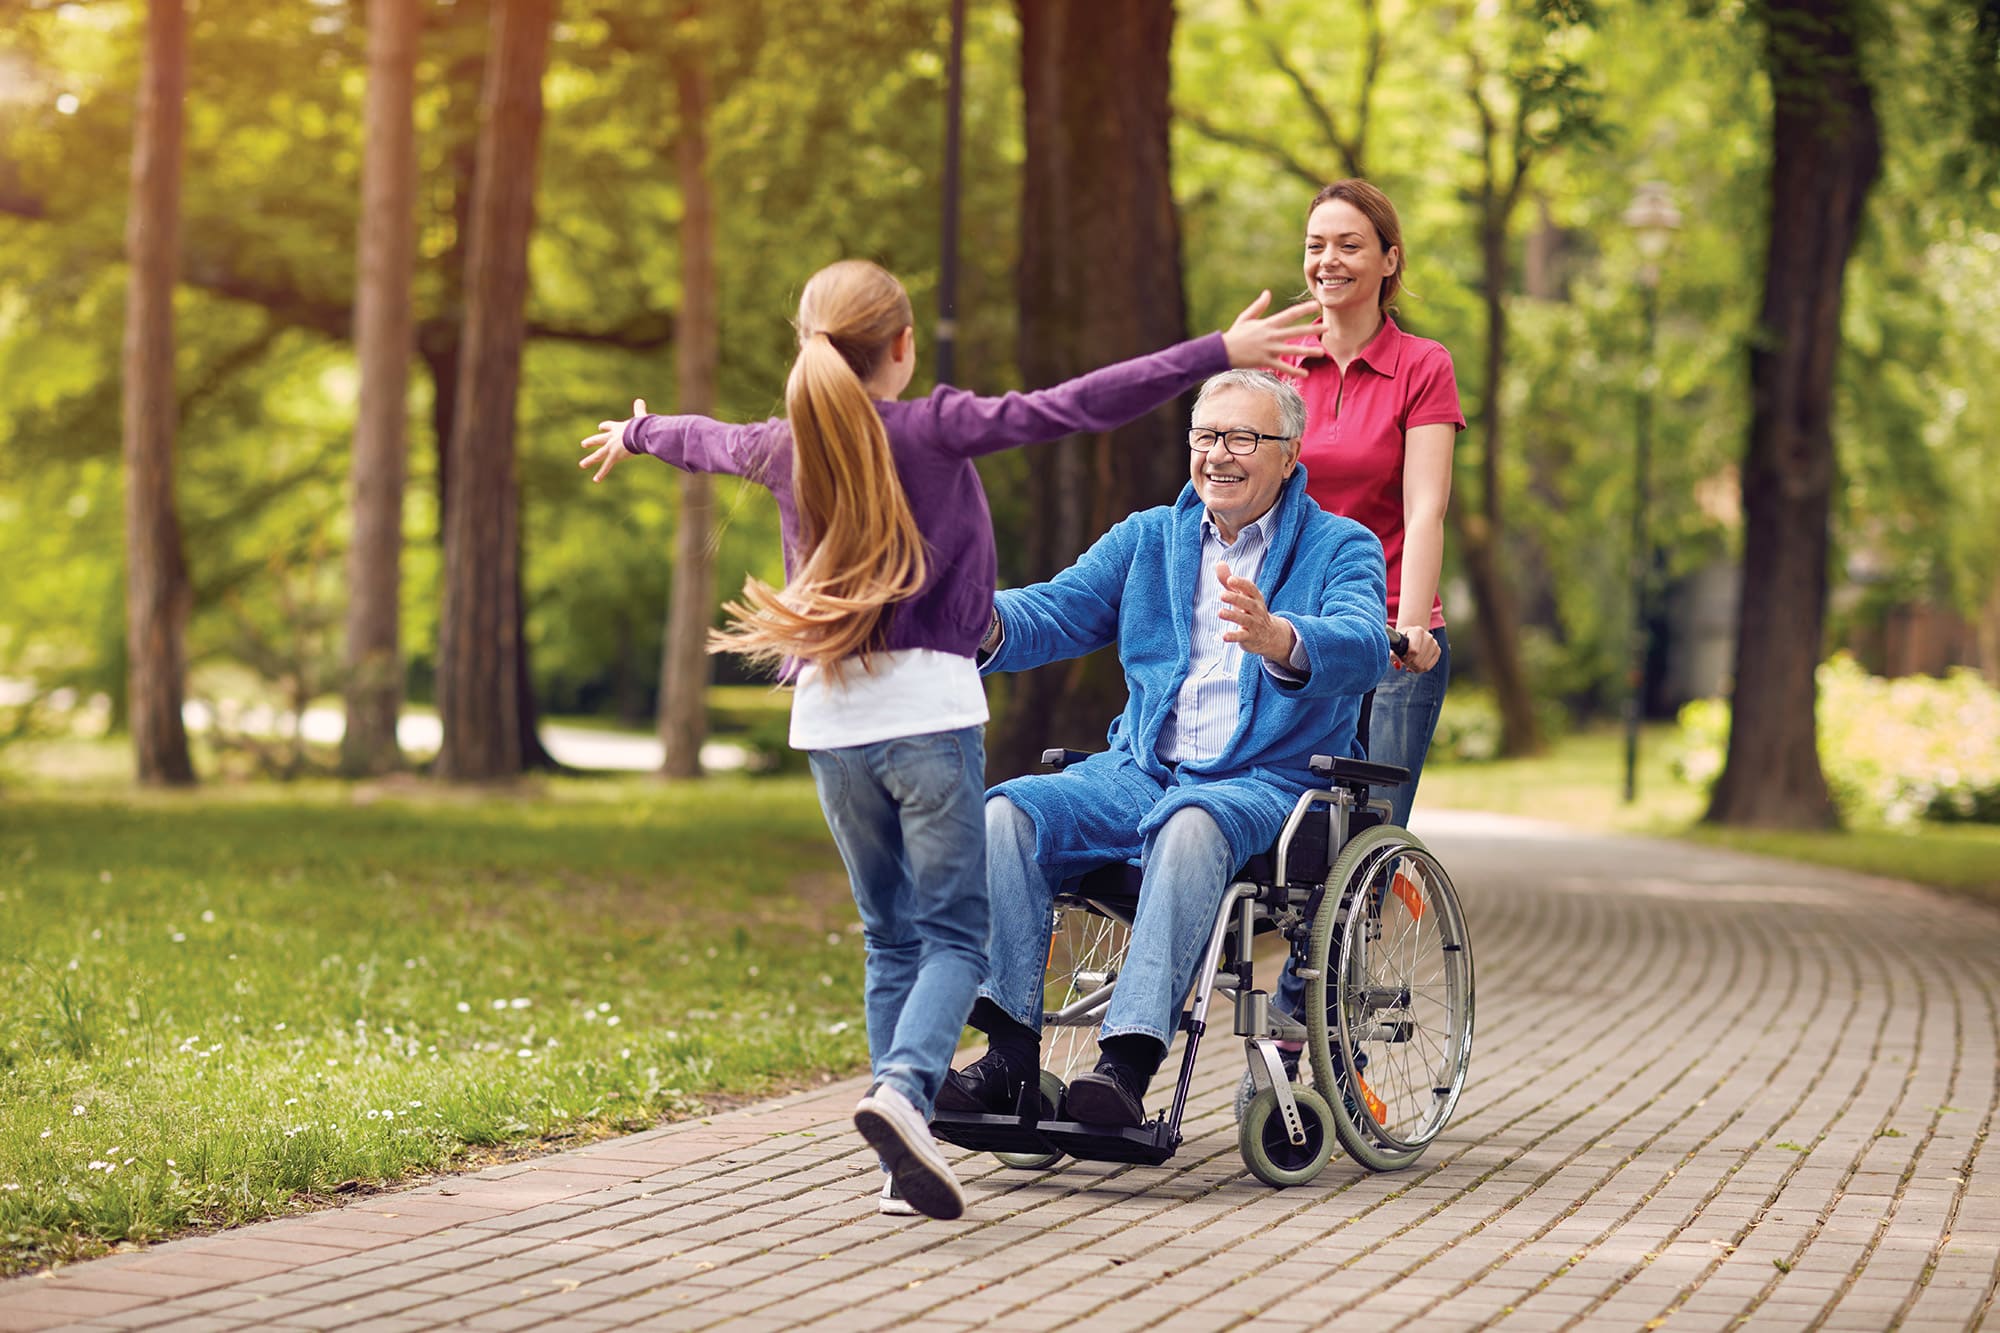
684,662
157,591
479,658
1825,154
1484,535
382,345
1100,281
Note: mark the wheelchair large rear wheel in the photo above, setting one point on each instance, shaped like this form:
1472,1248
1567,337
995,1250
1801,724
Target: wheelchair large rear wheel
1389,1015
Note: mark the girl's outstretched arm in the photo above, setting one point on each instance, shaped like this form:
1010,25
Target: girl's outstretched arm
1108,398
691,443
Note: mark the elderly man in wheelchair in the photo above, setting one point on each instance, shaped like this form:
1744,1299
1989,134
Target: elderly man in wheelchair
1249,624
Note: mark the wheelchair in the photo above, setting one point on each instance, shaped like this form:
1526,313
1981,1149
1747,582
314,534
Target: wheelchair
1374,929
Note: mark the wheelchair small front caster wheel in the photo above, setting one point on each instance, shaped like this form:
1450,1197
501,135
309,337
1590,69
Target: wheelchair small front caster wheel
1269,1151
1053,1092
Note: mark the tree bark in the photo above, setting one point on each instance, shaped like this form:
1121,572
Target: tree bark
1484,535
685,668
1100,281
158,596
479,658
1825,154
382,345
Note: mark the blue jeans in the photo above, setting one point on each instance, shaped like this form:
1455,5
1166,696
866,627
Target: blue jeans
905,814
1401,723
1186,866
1405,717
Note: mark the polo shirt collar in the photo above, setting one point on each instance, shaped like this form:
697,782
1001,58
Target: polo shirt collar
1385,350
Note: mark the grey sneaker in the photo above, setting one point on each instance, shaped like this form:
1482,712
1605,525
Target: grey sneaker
917,1169
892,1204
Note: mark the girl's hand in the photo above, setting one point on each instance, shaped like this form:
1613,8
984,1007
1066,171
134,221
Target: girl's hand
1423,652
1257,629
1257,341
608,445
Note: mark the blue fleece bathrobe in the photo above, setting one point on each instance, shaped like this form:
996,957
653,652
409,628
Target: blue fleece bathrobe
1136,587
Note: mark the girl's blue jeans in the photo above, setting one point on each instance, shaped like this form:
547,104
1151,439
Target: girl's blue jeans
907,817
1401,723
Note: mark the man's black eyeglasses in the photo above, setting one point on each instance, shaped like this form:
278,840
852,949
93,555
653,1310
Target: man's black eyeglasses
1239,442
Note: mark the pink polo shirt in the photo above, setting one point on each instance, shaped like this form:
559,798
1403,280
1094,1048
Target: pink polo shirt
1355,429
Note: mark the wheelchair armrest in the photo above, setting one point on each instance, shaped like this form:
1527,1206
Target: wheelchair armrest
1358,770
1061,759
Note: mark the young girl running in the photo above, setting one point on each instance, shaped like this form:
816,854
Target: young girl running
890,569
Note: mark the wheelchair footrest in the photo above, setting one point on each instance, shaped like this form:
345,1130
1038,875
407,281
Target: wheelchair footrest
1149,1144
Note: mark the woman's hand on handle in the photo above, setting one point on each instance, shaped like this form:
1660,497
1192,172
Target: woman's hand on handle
1422,653
1257,341
608,446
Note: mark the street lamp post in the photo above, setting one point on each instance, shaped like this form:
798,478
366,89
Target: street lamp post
954,115
1653,219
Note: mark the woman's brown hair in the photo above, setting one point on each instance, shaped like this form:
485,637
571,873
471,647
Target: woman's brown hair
1375,206
862,550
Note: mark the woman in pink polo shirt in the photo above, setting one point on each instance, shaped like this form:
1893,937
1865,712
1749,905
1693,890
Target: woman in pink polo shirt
1381,415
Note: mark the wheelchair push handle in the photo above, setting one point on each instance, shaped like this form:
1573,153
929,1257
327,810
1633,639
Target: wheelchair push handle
1399,642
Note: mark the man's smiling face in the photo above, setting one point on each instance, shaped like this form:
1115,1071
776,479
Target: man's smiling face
1240,488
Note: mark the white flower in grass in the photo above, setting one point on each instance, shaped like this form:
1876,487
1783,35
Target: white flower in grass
180,937
130,1160
373,1114
612,1021
47,1132
104,877
837,1028
98,1165
10,1187
464,1008
625,1053
417,1105
207,917
825,980
833,937
603,1007
753,969
76,1110
525,1054
73,964
170,1161
520,1002
590,1015
277,1027
291,1101
499,1004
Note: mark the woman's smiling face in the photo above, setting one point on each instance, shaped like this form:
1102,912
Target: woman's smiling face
1345,261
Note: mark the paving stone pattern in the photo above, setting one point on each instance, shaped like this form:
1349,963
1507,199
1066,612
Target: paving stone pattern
1708,1091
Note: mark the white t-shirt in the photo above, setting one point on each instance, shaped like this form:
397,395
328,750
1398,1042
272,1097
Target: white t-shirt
910,692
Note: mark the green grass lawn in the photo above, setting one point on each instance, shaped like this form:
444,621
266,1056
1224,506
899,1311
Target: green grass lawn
1580,781
216,1004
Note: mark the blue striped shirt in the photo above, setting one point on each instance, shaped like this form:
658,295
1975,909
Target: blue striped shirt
1205,709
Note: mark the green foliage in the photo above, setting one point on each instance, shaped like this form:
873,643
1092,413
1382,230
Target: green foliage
1893,751
211,1008
826,139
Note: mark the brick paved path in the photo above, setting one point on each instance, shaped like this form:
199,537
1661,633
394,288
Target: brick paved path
1705,1089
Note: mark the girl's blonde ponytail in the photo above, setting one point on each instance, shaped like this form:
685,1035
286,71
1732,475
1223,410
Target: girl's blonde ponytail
862,551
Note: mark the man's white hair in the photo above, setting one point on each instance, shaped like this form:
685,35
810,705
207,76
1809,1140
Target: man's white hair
1291,407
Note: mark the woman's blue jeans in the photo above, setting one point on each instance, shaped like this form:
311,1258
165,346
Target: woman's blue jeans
906,815
1401,722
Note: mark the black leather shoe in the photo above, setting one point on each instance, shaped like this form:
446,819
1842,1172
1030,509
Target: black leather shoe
1108,1095
987,1086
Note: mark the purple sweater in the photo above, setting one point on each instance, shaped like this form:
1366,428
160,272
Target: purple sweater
934,441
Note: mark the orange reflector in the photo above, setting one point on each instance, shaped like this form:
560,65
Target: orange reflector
1376,1107
1406,888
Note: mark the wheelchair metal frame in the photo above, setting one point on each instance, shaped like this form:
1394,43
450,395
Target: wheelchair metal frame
1249,900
